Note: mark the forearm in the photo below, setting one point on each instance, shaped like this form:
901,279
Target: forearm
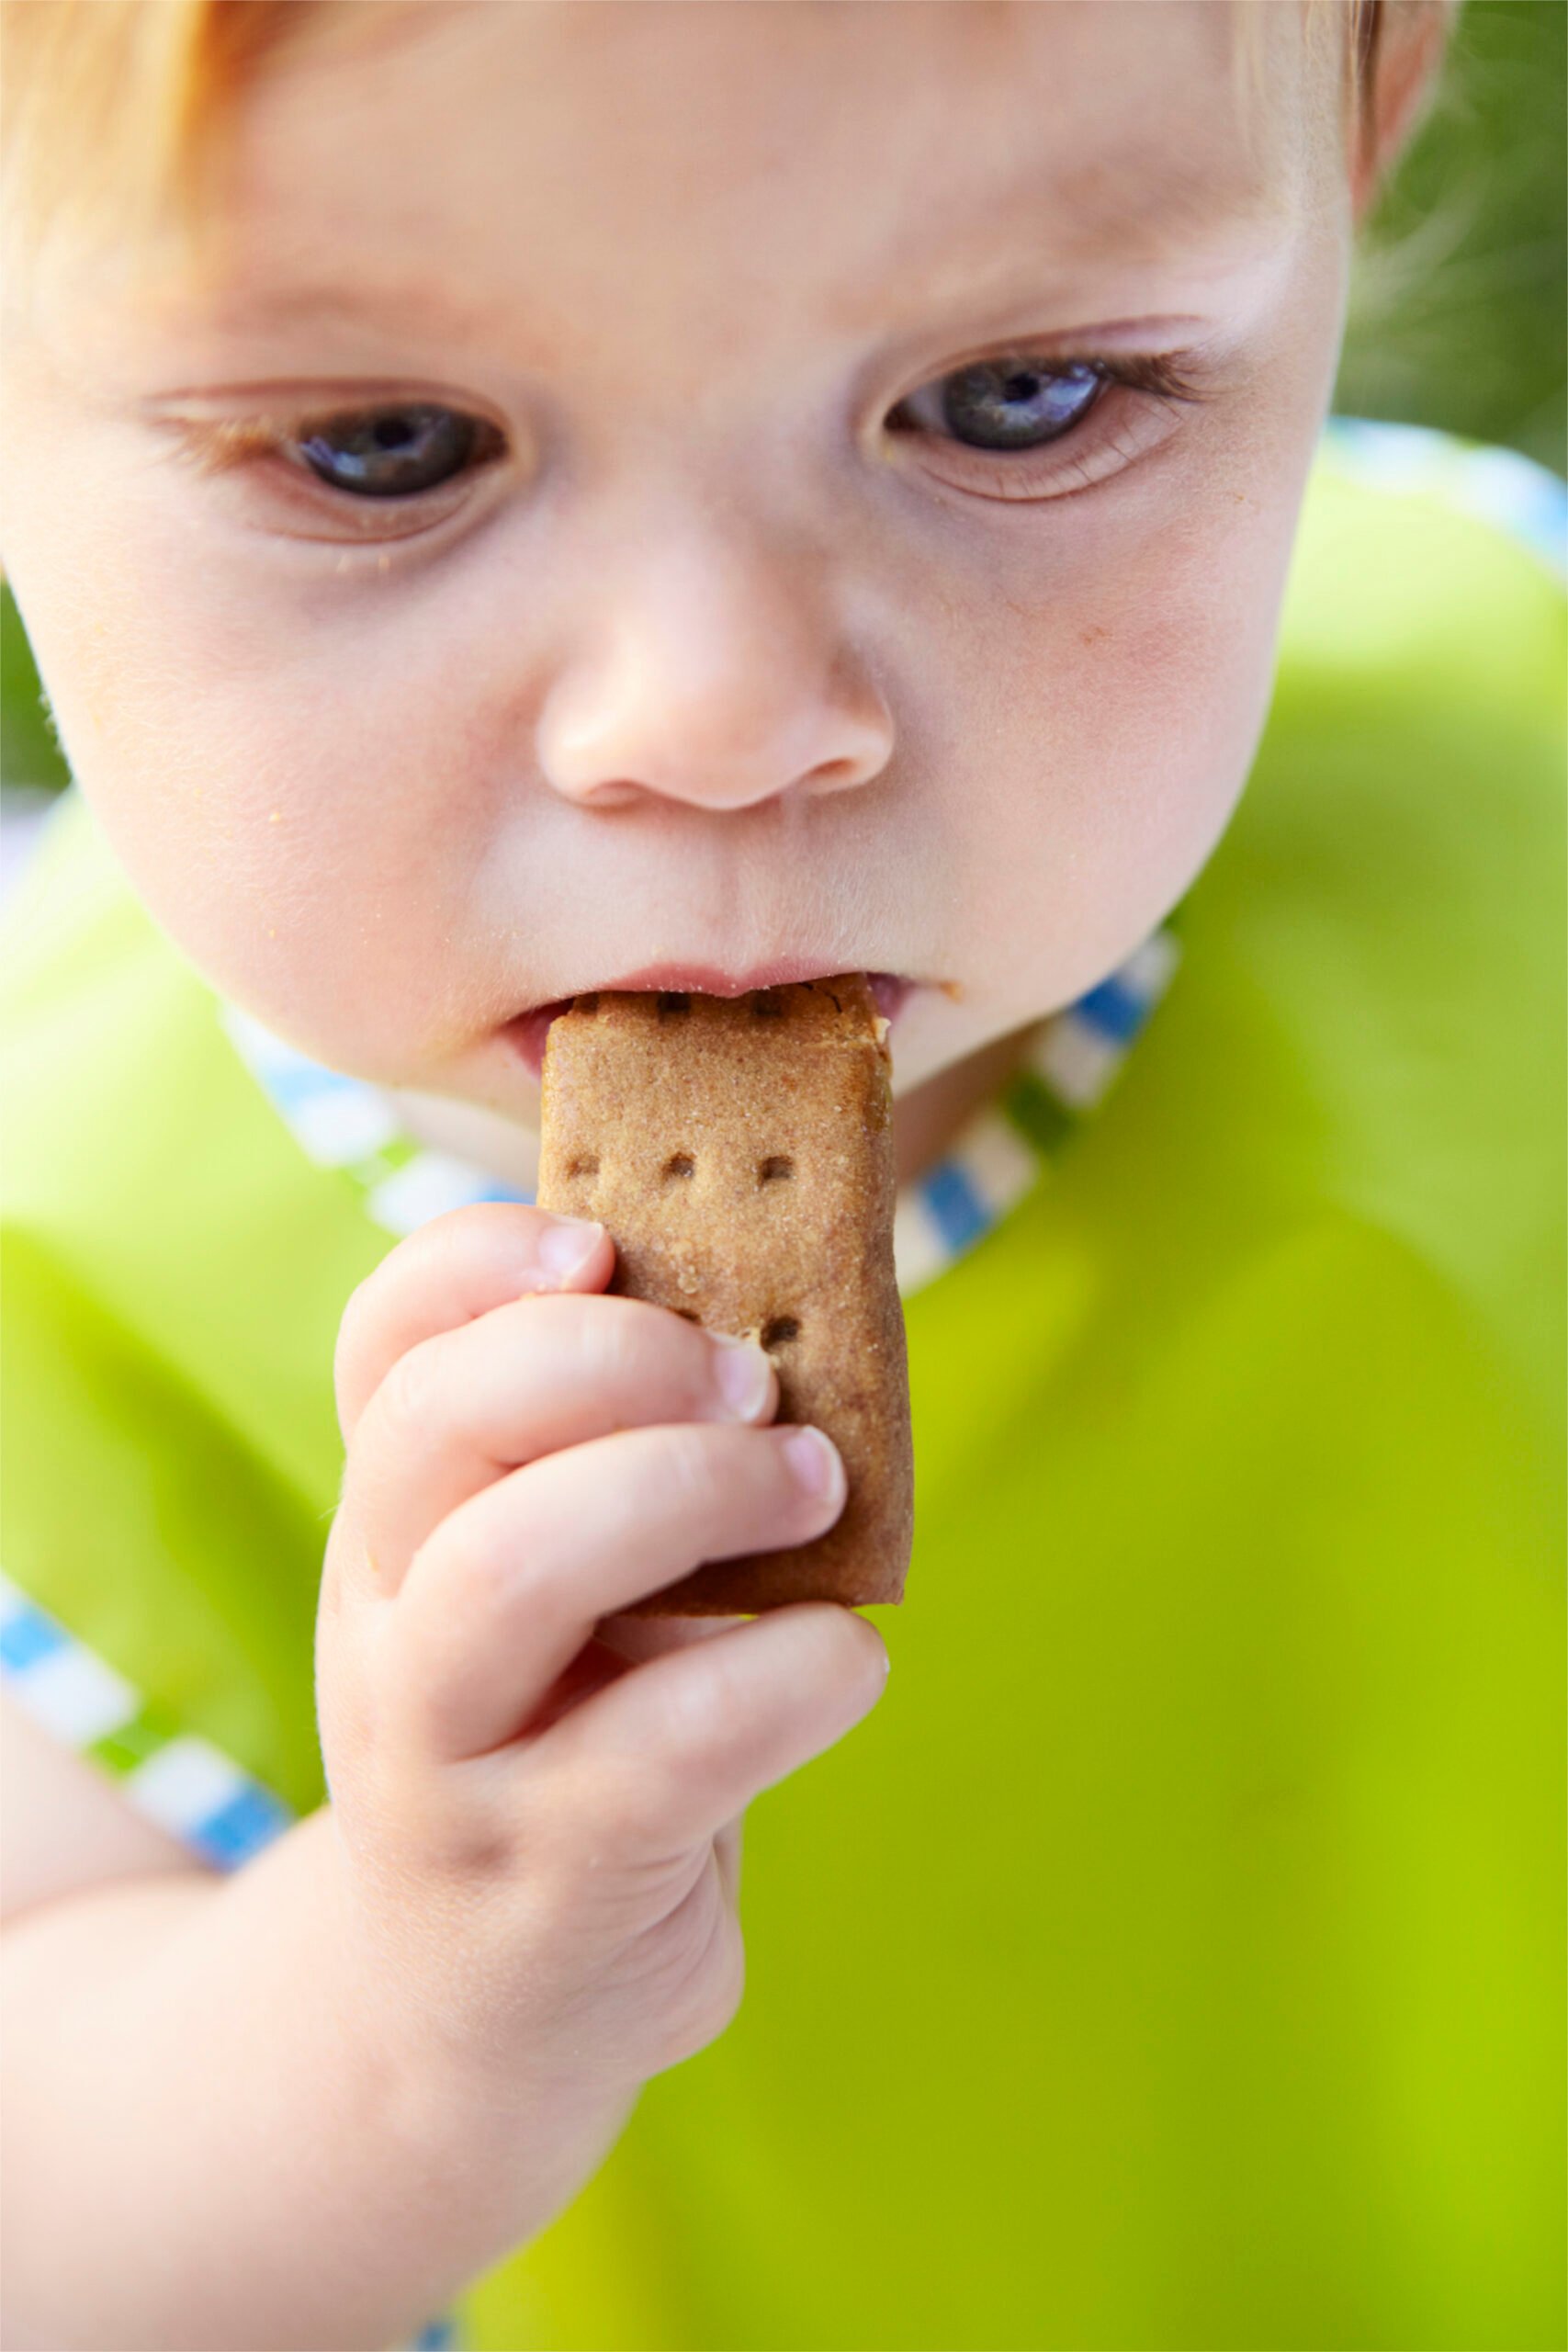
208,2145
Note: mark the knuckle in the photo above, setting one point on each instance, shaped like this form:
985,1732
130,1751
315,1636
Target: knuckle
704,1720
444,1245
444,1824
478,1567
612,1340
355,1699
626,1340
477,1245
476,1221
613,1816
410,1403
358,1311
702,1468
419,1850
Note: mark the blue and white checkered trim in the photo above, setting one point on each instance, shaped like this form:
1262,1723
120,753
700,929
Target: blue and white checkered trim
348,1124
1496,486
1003,1151
188,1787
176,1779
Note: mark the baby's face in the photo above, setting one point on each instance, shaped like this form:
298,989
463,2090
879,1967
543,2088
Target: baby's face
691,494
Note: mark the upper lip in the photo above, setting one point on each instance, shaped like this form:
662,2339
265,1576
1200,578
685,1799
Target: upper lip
529,1030
707,979
710,979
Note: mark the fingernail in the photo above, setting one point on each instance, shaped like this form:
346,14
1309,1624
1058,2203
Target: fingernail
565,1247
814,1461
741,1374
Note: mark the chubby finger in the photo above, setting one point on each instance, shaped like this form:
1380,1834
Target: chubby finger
454,1269
535,1377
509,1587
672,1752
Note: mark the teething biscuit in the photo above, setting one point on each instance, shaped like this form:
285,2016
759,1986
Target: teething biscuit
740,1152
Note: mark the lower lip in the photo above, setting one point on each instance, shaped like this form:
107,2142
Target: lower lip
529,1031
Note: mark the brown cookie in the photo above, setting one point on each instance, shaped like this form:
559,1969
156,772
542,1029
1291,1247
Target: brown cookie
740,1152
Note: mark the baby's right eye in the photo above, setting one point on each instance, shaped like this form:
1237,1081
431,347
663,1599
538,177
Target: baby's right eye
380,468
395,452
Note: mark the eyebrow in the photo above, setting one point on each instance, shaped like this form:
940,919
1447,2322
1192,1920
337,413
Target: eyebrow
1088,216
1137,211
380,302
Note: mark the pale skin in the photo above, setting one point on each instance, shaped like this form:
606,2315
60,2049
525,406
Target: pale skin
705,662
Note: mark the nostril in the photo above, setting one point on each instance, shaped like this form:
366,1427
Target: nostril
612,794
832,775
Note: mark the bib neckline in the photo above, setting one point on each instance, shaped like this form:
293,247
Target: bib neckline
994,1162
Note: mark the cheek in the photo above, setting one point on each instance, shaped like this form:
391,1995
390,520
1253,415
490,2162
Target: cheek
1178,685
1136,635
1123,720
280,792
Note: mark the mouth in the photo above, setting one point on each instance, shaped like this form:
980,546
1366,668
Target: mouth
527,1032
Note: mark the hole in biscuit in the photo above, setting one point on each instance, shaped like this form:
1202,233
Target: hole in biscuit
673,1001
774,1170
768,1005
783,1327
585,1164
679,1163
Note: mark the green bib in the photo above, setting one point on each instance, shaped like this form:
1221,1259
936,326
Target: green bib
1174,1958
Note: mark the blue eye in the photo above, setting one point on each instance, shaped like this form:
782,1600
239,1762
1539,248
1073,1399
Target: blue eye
395,452
1017,404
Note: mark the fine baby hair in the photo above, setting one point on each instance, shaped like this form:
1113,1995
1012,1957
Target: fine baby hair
114,111
776,867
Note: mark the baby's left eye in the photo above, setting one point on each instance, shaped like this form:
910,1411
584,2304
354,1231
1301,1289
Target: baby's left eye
1025,427
1005,404
394,452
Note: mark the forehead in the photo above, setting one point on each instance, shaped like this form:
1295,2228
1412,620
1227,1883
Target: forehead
888,156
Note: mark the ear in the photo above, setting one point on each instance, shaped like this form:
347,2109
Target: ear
1408,41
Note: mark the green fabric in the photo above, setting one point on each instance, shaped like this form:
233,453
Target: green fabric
1173,1956
173,1273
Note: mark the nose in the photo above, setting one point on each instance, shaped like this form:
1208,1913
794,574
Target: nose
712,677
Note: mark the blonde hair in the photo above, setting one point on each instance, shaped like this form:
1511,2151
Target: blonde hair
114,104
112,111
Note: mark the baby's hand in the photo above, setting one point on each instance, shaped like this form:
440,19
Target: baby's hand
541,1836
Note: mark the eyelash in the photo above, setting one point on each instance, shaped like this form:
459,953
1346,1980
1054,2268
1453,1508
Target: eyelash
234,446
1086,452
1025,475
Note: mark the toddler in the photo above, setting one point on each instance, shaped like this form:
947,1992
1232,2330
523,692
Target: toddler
513,499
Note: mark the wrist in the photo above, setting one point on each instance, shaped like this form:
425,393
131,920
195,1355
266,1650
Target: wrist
527,2131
